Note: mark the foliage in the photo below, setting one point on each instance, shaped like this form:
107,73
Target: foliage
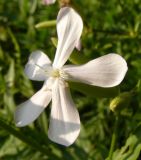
114,26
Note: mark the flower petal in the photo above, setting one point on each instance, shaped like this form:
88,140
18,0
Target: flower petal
48,2
69,29
106,71
78,45
28,111
36,68
64,125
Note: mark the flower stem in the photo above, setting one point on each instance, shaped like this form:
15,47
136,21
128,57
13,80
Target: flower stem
114,137
8,127
45,24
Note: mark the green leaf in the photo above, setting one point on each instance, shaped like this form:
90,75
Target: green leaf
94,91
78,58
27,139
8,95
130,151
45,24
10,76
132,148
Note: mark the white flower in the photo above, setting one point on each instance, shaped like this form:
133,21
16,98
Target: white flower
106,71
48,2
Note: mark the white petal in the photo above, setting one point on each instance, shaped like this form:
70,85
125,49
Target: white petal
78,45
106,71
48,2
69,29
37,66
28,111
64,125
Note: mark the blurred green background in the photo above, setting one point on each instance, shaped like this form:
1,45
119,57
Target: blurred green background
109,26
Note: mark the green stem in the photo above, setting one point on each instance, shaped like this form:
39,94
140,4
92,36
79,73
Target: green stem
45,24
16,46
118,32
25,138
114,137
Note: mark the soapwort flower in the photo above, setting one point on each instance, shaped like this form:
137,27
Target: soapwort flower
106,71
48,2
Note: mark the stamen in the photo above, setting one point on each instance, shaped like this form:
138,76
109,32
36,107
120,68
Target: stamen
59,73
64,75
55,73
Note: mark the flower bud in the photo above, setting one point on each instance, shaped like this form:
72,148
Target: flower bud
64,3
48,2
121,101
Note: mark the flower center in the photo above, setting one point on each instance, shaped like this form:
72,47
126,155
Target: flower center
58,73
55,73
